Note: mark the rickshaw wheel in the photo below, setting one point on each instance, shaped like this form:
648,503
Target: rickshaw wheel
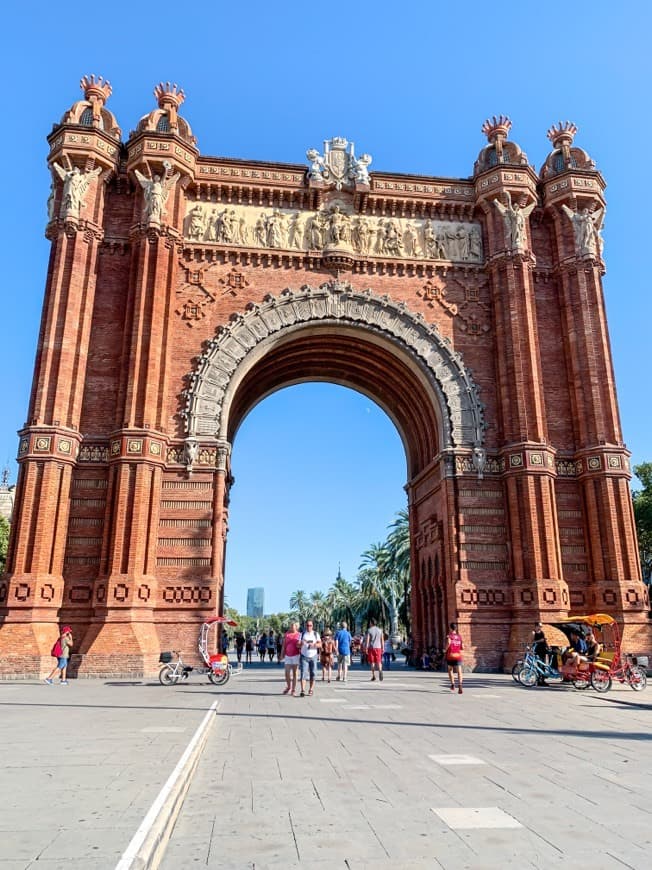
637,679
601,681
167,676
219,679
528,677
517,668
581,684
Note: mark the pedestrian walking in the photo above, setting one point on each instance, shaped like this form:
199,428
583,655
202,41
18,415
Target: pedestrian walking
388,652
271,645
262,646
61,651
239,646
326,655
310,645
290,655
454,657
343,641
374,639
249,648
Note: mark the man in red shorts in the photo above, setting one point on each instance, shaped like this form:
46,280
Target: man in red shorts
374,640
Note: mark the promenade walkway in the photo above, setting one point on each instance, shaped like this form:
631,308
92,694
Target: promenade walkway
402,774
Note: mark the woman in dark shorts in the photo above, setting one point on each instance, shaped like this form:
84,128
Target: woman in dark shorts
454,657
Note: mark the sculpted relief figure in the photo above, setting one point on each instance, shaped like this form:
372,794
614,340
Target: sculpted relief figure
316,230
515,220
339,230
410,241
316,171
50,204
360,169
475,243
157,191
75,185
296,232
196,223
586,229
361,235
260,232
275,225
333,226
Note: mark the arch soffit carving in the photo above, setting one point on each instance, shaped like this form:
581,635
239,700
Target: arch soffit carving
238,344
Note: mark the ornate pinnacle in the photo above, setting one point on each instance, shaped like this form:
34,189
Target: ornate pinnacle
562,133
96,88
169,95
497,128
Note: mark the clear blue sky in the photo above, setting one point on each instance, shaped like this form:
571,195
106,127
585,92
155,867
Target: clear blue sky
411,84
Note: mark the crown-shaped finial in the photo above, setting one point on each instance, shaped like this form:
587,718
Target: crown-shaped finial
95,88
169,95
562,133
497,128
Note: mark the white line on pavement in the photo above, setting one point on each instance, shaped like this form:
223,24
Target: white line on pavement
130,855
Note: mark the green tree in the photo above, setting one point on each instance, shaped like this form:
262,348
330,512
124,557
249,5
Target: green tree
398,548
380,587
643,515
343,601
300,604
4,542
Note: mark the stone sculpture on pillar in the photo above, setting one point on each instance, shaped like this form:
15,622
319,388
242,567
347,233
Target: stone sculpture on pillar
586,229
75,185
157,191
515,219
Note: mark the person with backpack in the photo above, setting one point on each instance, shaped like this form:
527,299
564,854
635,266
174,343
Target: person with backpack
61,652
454,656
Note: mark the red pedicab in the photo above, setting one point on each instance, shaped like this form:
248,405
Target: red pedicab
216,665
610,664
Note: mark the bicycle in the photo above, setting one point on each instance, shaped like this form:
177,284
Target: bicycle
172,672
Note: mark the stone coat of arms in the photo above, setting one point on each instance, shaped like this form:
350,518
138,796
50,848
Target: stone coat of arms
338,165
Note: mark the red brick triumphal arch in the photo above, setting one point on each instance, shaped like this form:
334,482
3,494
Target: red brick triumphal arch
182,289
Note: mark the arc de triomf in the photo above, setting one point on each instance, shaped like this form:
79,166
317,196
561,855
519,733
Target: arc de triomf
183,289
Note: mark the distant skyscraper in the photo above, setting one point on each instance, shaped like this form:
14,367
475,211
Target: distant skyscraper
255,601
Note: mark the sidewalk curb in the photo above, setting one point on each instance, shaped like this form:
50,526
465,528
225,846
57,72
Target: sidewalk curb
147,846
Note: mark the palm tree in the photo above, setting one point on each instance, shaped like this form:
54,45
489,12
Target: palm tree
318,609
379,585
398,546
342,600
300,604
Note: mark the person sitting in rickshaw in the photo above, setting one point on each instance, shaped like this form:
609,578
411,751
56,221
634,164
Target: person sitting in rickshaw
577,652
593,648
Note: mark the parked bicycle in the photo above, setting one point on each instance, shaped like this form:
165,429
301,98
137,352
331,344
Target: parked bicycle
174,671
216,666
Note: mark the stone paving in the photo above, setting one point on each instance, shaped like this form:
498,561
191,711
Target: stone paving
400,774
407,774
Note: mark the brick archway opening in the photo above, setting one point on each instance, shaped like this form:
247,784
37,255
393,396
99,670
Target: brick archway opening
356,339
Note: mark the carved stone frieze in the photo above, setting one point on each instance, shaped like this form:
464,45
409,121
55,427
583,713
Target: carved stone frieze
334,303
335,225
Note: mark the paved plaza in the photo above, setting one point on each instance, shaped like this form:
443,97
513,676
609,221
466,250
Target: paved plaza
399,774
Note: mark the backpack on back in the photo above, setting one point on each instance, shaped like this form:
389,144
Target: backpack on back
56,649
454,646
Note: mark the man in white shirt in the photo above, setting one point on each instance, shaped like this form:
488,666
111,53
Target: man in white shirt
310,646
374,643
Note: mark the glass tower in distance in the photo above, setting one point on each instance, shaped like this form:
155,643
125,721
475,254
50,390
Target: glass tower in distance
255,601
